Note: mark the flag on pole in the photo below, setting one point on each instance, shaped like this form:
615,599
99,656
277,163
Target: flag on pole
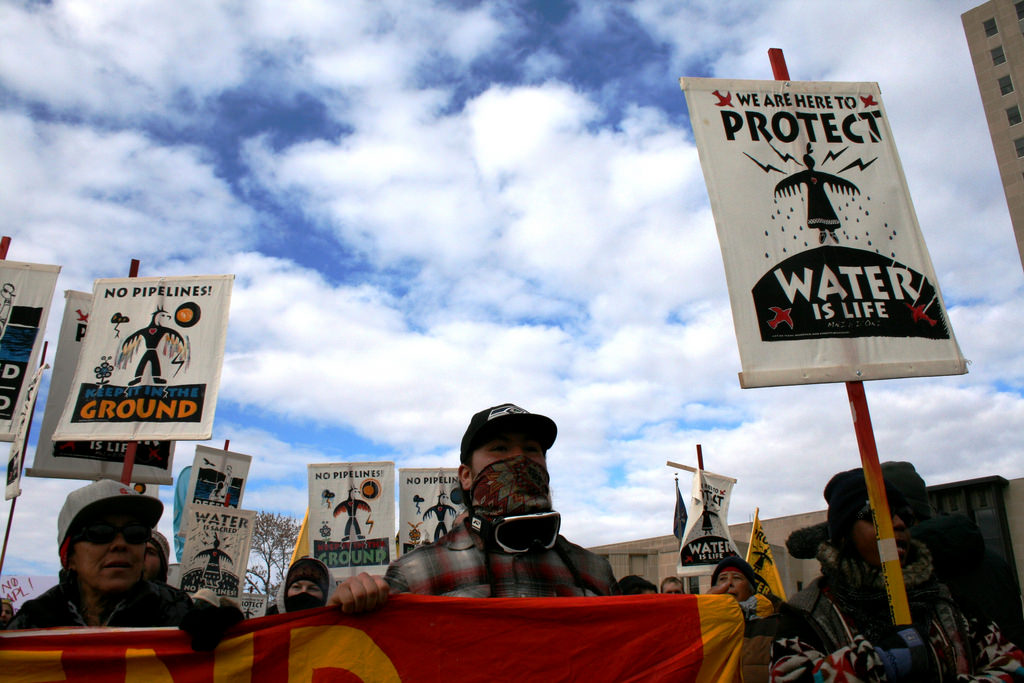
302,542
679,518
759,557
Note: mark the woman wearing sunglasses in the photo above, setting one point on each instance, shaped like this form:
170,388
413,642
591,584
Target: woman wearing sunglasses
102,532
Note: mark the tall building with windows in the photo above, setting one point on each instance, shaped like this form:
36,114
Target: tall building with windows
994,36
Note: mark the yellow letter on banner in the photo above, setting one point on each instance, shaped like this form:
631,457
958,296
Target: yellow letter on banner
337,647
31,666
721,630
143,666
233,660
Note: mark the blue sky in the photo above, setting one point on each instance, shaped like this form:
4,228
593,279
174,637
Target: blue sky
431,208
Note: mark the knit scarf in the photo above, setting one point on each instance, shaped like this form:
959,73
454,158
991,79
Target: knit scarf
858,589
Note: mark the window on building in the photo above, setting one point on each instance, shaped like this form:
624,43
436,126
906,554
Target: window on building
693,585
990,27
1005,85
1019,144
1013,115
998,57
1020,10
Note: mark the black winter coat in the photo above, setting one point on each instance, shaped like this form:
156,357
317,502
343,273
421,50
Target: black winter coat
146,604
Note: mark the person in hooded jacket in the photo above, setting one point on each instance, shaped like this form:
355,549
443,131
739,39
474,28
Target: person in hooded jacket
839,628
306,585
982,583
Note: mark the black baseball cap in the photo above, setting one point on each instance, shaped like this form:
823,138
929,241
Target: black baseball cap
505,418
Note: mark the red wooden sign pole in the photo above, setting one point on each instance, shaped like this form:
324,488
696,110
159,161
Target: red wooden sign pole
133,446
891,570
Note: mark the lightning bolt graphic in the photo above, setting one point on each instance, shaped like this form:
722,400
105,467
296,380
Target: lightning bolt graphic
830,155
763,167
785,157
859,163
370,522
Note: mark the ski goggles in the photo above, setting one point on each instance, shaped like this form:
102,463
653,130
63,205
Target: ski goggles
134,533
521,533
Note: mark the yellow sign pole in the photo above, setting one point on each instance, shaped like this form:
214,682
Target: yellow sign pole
892,572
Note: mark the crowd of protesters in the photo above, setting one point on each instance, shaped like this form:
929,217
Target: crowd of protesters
507,544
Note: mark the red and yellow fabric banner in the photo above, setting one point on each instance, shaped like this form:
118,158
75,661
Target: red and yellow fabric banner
413,638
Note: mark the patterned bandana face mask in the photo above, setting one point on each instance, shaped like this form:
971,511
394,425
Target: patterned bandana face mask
514,486
511,506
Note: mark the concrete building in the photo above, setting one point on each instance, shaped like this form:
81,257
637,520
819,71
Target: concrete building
996,43
995,504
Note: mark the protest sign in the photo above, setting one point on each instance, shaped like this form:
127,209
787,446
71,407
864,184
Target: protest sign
254,605
429,500
677,638
706,540
352,516
87,459
18,589
761,559
217,477
26,290
17,455
150,365
828,274
216,553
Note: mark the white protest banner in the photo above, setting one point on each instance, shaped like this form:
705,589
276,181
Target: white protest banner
150,365
17,455
429,500
18,589
254,605
352,516
706,540
828,274
216,554
217,477
87,459
26,290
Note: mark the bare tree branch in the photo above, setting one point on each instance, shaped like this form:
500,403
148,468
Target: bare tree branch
273,540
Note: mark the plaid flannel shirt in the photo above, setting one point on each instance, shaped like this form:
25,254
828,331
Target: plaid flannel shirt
454,566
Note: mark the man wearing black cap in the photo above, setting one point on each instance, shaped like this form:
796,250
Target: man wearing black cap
508,543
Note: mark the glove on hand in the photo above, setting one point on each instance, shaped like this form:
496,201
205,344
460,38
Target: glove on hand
904,654
208,619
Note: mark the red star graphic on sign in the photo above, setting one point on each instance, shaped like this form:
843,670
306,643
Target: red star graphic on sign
782,315
869,101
